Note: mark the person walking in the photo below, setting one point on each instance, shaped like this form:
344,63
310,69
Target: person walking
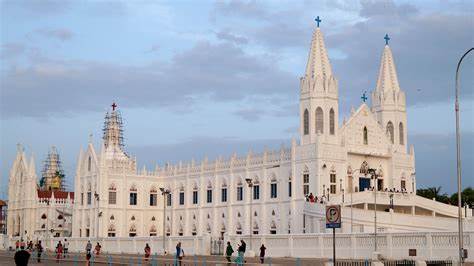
66,247
262,254
97,249
147,252
228,253
179,254
59,251
88,252
241,251
88,247
21,257
39,251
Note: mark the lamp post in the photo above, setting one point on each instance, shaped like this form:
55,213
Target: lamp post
99,214
350,173
250,184
458,161
373,172
164,192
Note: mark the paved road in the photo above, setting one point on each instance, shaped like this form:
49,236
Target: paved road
6,258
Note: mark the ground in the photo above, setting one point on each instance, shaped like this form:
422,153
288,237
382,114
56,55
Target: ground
6,258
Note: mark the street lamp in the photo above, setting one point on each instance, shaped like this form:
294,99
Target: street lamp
164,192
373,172
99,214
350,173
458,162
250,184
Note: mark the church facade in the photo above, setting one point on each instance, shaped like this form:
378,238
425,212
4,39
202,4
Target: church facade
263,193
38,210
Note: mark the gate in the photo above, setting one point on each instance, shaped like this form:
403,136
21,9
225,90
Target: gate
217,247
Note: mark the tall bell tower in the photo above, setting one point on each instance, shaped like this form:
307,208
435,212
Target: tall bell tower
389,101
319,107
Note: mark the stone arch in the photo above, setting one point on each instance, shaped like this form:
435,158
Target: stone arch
305,122
390,132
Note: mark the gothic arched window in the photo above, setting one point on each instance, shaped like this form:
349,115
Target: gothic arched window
306,122
390,131
331,122
366,136
112,194
400,133
319,120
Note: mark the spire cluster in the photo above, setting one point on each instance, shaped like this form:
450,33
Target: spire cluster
52,175
113,130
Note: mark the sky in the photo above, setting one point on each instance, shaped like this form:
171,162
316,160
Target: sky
196,79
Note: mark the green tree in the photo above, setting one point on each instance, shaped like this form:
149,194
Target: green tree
467,197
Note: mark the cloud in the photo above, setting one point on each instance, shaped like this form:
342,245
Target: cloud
248,9
227,36
250,114
222,71
154,48
386,9
425,55
11,50
60,34
436,160
199,147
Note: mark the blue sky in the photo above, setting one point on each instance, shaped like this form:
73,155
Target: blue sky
214,77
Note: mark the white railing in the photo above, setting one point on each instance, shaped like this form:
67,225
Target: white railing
428,245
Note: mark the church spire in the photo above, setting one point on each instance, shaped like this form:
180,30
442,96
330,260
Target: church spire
318,60
387,80
52,176
113,131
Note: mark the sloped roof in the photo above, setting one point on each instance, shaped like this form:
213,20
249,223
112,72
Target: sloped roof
57,194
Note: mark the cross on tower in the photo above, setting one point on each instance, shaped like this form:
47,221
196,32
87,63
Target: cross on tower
114,106
386,39
318,20
364,97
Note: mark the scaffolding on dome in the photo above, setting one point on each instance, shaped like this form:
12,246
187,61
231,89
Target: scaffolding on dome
52,175
113,130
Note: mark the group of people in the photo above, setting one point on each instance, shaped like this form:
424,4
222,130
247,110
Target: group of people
23,251
314,199
240,260
97,249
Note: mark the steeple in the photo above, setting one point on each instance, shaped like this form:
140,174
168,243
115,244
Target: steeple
113,147
319,95
113,132
318,61
389,103
387,80
52,176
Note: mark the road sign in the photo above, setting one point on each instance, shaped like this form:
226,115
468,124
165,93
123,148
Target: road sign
333,216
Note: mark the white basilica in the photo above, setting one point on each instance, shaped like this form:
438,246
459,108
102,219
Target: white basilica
266,193
362,163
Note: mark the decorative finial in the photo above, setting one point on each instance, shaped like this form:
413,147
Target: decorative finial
318,20
364,96
114,106
386,39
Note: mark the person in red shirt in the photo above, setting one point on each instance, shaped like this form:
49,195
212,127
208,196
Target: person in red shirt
59,251
147,252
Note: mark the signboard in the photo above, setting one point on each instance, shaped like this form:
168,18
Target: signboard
412,252
333,216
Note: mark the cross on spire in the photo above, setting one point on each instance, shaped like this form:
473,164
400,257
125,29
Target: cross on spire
318,20
364,97
386,39
114,106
